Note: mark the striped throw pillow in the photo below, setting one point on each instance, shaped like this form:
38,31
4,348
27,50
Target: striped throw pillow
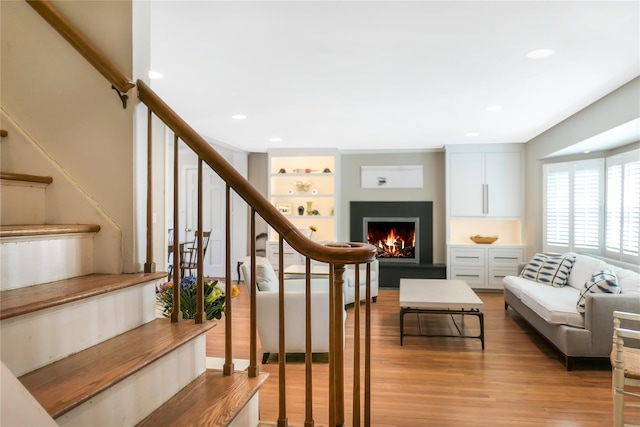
602,282
551,270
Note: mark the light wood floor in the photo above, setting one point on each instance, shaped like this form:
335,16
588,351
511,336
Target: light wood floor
518,380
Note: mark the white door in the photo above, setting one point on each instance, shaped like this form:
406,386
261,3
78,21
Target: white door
213,216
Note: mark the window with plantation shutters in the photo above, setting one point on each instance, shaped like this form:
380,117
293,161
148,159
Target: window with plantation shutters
593,206
622,236
587,203
556,208
573,200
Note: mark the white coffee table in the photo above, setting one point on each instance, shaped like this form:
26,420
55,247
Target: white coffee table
435,296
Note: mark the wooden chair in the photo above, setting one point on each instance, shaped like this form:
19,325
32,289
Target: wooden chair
189,256
626,366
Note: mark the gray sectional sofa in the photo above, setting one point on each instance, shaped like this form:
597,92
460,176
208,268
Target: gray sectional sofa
553,310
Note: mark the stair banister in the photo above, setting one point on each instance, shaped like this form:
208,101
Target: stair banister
353,253
336,255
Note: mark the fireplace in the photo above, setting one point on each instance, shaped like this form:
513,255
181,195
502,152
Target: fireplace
399,226
404,217
394,238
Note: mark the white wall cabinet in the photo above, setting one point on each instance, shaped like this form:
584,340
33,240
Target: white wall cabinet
483,267
485,184
485,196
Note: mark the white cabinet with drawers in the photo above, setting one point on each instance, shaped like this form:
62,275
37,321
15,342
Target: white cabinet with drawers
289,255
483,267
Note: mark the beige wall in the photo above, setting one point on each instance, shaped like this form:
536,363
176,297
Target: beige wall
68,108
614,109
433,189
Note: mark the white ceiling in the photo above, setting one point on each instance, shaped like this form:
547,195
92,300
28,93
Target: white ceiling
387,75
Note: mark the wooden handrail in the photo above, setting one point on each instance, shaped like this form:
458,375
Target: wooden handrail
83,45
350,253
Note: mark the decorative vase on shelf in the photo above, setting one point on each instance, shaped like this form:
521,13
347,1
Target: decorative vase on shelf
309,210
300,210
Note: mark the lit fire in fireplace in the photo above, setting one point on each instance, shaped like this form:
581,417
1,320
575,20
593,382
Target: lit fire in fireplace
394,244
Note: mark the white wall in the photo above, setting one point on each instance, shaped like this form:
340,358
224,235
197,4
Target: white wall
67,107
614,109
433,189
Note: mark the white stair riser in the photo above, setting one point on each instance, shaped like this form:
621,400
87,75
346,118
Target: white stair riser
132,399
22,202
19,407
29,261
37,339
249,415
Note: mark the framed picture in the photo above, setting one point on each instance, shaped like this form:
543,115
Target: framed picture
284,208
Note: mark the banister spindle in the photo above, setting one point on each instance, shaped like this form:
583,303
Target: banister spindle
282,356
356,348
308,401
332,346
149,265
201,315
251,289
367,351
176,314
228,367
339,344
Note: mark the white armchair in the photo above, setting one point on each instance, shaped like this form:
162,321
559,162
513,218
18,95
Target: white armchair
294,306
349,286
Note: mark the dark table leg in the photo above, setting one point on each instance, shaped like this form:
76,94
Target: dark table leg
401,325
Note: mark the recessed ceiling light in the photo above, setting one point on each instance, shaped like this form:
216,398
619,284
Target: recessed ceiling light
472,134
494,108
586,151
154,75
275,139
239,117
540,53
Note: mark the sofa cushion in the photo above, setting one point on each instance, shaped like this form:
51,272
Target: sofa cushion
549,269
515,284
556,306
266,278
583,268
603,282
629,280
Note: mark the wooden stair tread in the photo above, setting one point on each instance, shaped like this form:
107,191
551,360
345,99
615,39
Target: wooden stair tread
65,384
25,177
46,229
15,302
212,399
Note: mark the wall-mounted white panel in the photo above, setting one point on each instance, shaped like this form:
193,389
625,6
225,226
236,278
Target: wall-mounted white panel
398,176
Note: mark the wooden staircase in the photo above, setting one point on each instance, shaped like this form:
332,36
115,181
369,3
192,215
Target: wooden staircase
88,346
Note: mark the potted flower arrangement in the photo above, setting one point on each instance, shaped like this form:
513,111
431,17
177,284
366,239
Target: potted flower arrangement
214,297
